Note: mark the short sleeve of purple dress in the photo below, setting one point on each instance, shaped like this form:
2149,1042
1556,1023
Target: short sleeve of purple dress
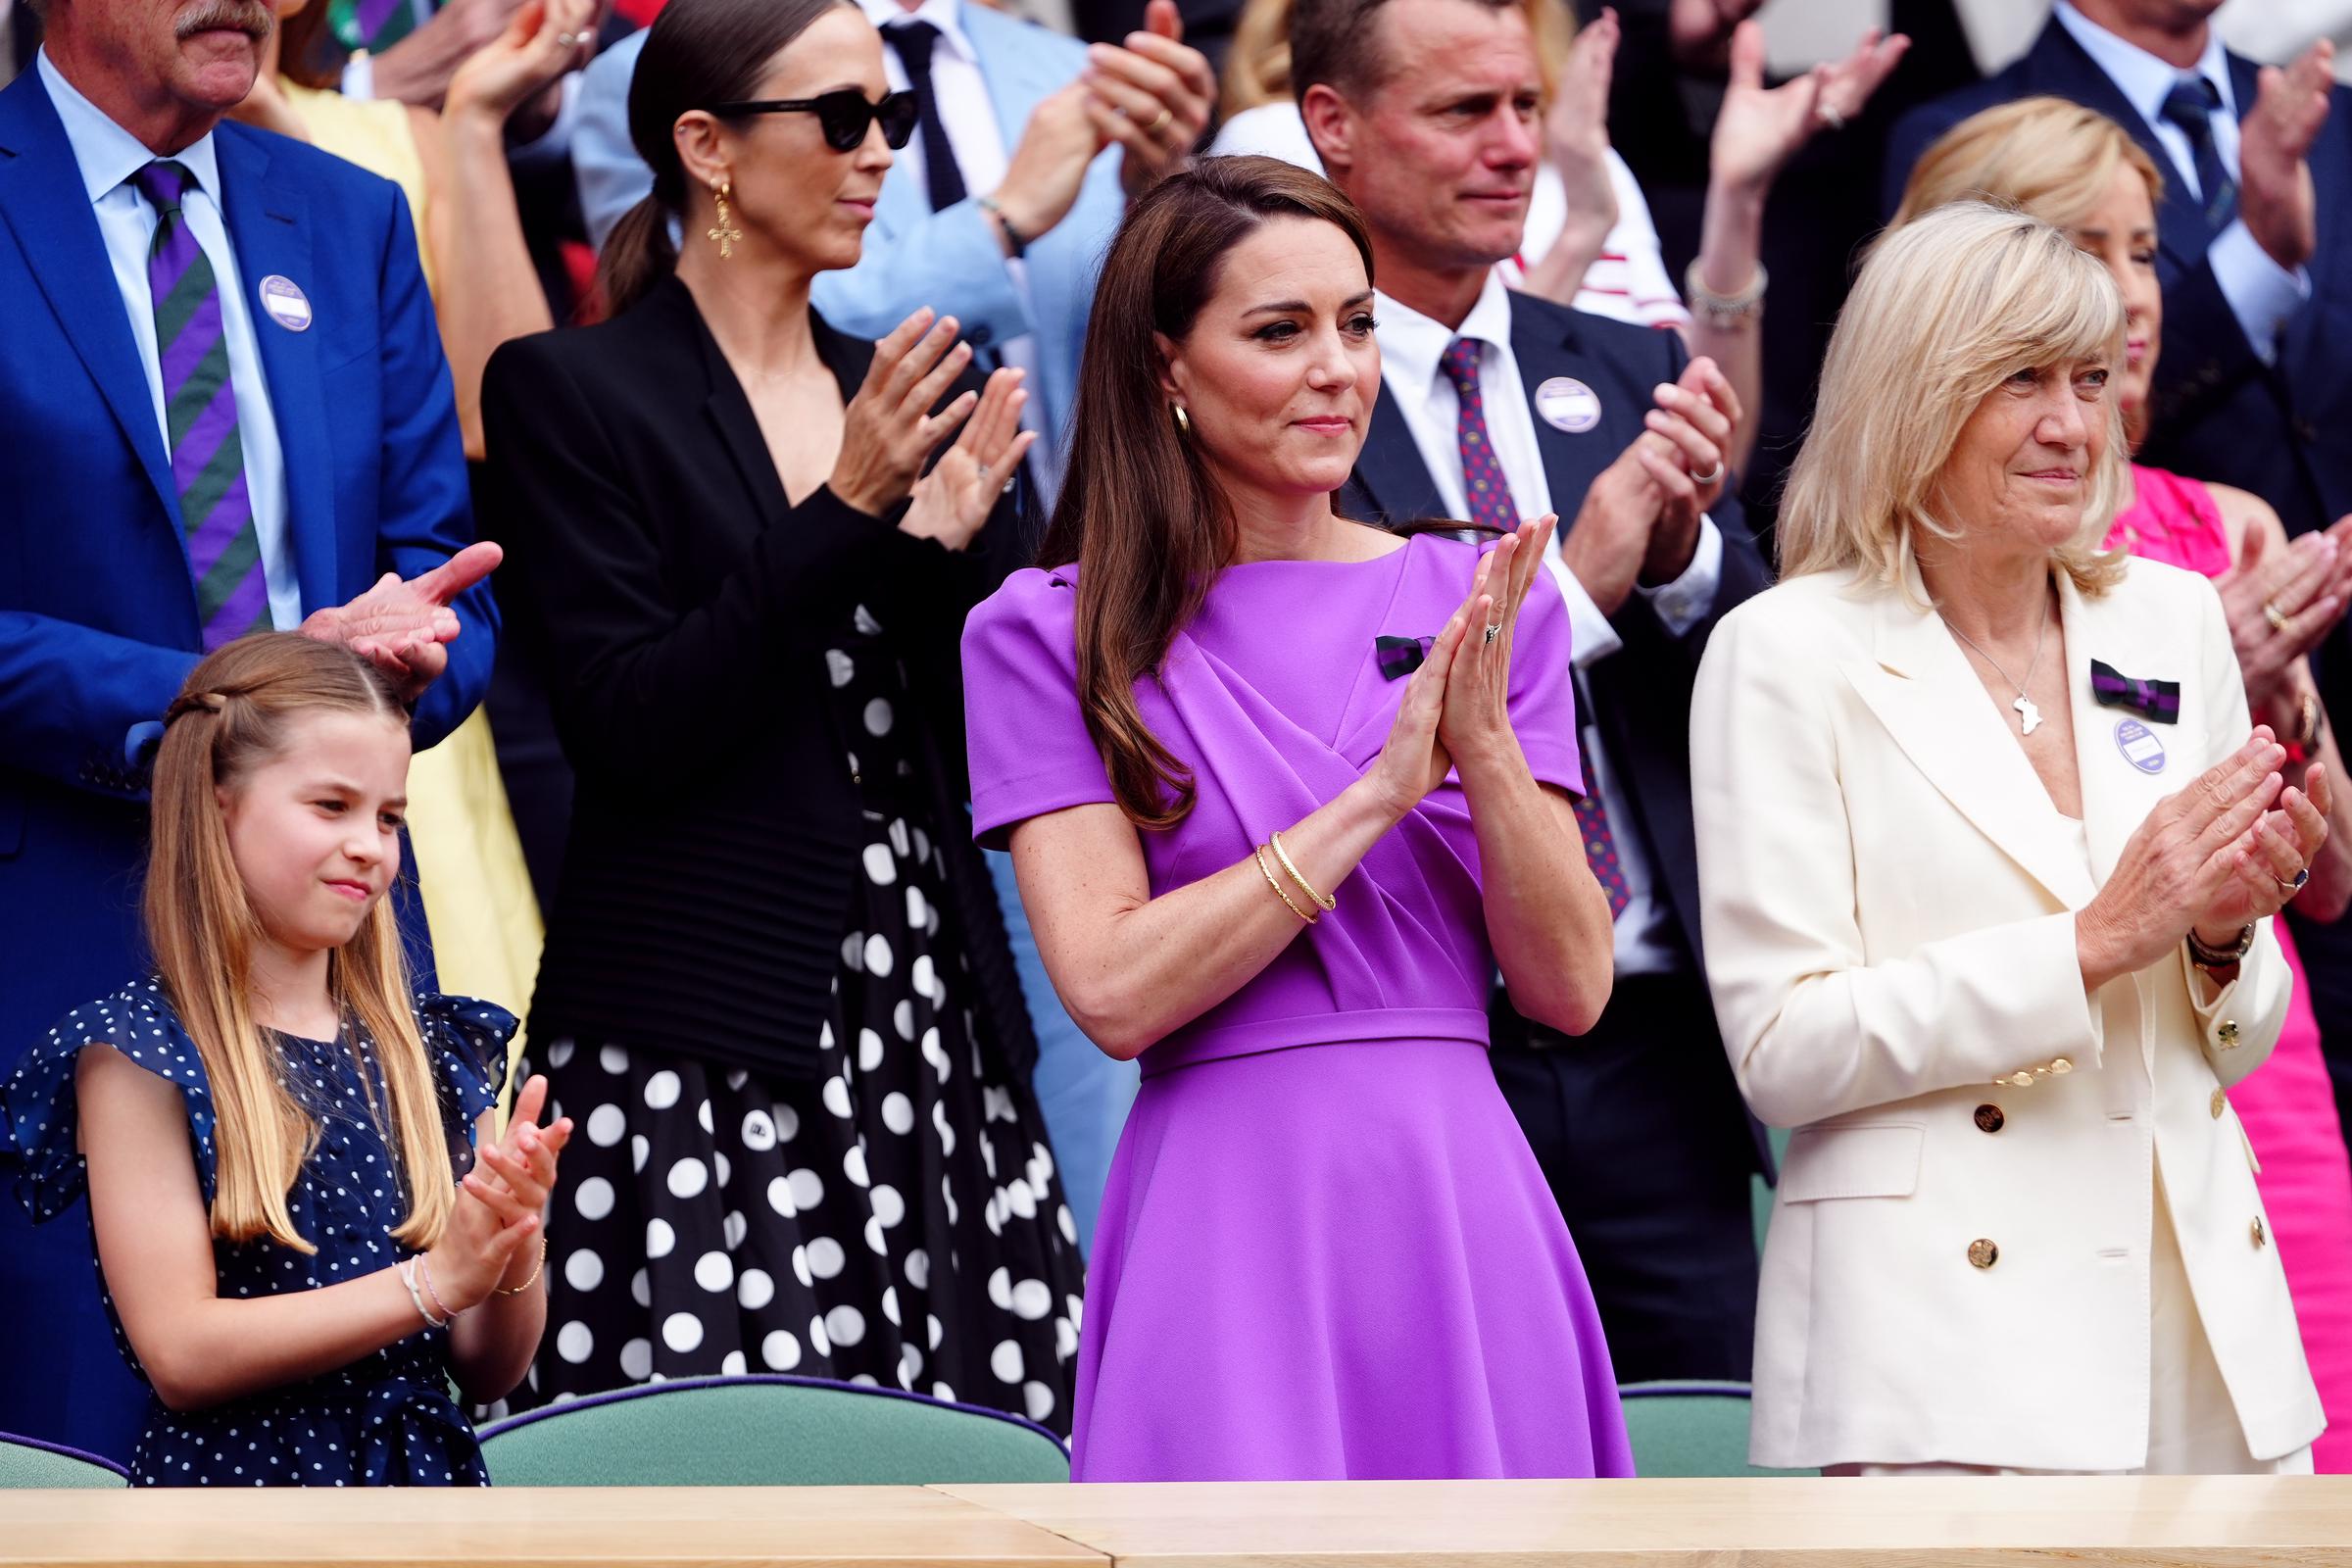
1324,1250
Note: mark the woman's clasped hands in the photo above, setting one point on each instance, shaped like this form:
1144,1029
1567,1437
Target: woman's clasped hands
889,432
2227,851
493,1239
1456,707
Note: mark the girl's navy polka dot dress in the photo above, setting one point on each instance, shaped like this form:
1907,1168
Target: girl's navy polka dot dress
384,1420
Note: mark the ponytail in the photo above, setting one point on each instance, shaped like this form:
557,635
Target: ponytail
638,254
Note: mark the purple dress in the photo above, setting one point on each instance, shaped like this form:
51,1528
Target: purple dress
1325,1250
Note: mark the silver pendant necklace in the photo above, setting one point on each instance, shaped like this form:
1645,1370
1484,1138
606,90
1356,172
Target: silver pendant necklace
2029,715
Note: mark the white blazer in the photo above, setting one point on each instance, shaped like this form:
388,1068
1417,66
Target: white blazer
1957,1269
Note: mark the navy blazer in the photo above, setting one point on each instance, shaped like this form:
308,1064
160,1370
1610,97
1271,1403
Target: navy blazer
1641,692
2219,413
97,608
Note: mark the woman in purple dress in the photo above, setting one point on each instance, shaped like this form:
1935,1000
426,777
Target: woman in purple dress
1281,792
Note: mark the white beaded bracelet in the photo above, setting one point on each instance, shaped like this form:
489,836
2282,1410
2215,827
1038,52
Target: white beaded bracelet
406,1268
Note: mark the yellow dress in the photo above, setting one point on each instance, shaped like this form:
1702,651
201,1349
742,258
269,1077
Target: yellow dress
478,892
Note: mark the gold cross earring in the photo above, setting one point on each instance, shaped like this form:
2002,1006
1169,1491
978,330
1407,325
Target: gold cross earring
723,231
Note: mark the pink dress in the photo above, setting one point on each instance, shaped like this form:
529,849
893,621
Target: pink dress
2287,1106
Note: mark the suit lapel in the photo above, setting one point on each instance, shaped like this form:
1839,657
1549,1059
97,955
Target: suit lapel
1921,688
43,203
2118,795
268,228
1396,485
1571,462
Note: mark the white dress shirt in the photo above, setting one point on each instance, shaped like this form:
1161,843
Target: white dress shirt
970,116
1411,346
2261,293
107,157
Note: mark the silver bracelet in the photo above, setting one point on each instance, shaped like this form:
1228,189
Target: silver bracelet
1726,310
406,1268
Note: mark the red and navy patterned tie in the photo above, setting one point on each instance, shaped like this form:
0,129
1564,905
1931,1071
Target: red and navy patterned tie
1489,493
200,412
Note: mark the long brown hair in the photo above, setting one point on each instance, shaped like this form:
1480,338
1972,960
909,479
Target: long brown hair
697,53
309,55
1140,513
231,717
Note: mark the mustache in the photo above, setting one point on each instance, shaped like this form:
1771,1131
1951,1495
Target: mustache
251,18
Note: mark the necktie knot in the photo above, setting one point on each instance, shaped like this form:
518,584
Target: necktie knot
164,183
2191,105
914,41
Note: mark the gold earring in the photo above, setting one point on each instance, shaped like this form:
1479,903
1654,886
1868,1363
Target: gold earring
723,231
1184,420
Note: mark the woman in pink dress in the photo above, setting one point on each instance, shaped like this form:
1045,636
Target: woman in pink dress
2074,167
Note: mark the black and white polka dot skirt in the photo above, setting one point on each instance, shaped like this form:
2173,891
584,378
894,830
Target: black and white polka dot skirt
896,1221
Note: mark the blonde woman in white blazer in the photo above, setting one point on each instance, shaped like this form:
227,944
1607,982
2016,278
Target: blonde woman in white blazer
1988,860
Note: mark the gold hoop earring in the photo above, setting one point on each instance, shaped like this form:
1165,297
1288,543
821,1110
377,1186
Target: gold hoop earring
1184,420
724,232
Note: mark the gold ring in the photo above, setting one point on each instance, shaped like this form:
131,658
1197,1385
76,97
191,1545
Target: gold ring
1161,124
2275,615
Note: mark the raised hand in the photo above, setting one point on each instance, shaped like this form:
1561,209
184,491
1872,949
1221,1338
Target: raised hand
2179,865
1688,461
1048,163
1759,130
2275,195
1153,96
540,44
889,431
2306,587
515,1176
484,1238
1475,724
952,502
1576,129
400,626
1698,32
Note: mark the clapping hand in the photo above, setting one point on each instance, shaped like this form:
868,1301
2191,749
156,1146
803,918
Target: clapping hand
541,43
889,431
1153,97
1476,723
1759,128
952,502
1576,129
2273,862
513,1177
2276,193
2178,869
2281,607
402,626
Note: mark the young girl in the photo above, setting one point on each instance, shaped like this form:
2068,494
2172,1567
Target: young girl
269,1132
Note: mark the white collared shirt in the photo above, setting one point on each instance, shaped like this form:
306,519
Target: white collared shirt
1413,347
2262,294
107,157
970,116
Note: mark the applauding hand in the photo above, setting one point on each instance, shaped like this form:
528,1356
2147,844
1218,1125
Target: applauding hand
952,502
889,431
401,626
1475,724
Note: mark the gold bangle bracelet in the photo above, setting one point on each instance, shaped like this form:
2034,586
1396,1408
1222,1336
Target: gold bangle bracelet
1292,866
1288,901
535,1268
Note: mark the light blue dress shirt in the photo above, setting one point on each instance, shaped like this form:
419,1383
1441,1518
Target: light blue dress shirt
107,157
2262,294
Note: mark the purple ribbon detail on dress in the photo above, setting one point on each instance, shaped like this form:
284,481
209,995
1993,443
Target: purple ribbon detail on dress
2159,700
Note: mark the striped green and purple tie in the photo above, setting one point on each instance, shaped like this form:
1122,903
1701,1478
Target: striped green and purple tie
200,413
375,25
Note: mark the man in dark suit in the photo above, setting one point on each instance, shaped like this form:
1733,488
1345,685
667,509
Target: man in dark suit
1495,405
2255,258
227,410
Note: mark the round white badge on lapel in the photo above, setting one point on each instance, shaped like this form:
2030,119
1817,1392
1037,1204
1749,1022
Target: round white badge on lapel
1567,403
288,306
2139,745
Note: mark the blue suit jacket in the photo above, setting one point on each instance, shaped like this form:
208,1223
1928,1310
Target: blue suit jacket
2220,413
98,611
948,260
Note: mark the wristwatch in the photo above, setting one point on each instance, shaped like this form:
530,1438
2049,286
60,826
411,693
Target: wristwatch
2207,957
2303,745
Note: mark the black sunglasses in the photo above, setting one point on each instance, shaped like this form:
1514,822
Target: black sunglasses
842,116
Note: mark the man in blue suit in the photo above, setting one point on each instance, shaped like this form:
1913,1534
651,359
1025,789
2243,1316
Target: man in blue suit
2254,253
997,214
225,409
1495,405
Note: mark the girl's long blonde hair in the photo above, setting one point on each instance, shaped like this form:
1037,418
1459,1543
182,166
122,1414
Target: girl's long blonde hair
231,718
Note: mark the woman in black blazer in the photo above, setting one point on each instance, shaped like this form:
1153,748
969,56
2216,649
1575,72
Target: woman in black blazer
776,997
